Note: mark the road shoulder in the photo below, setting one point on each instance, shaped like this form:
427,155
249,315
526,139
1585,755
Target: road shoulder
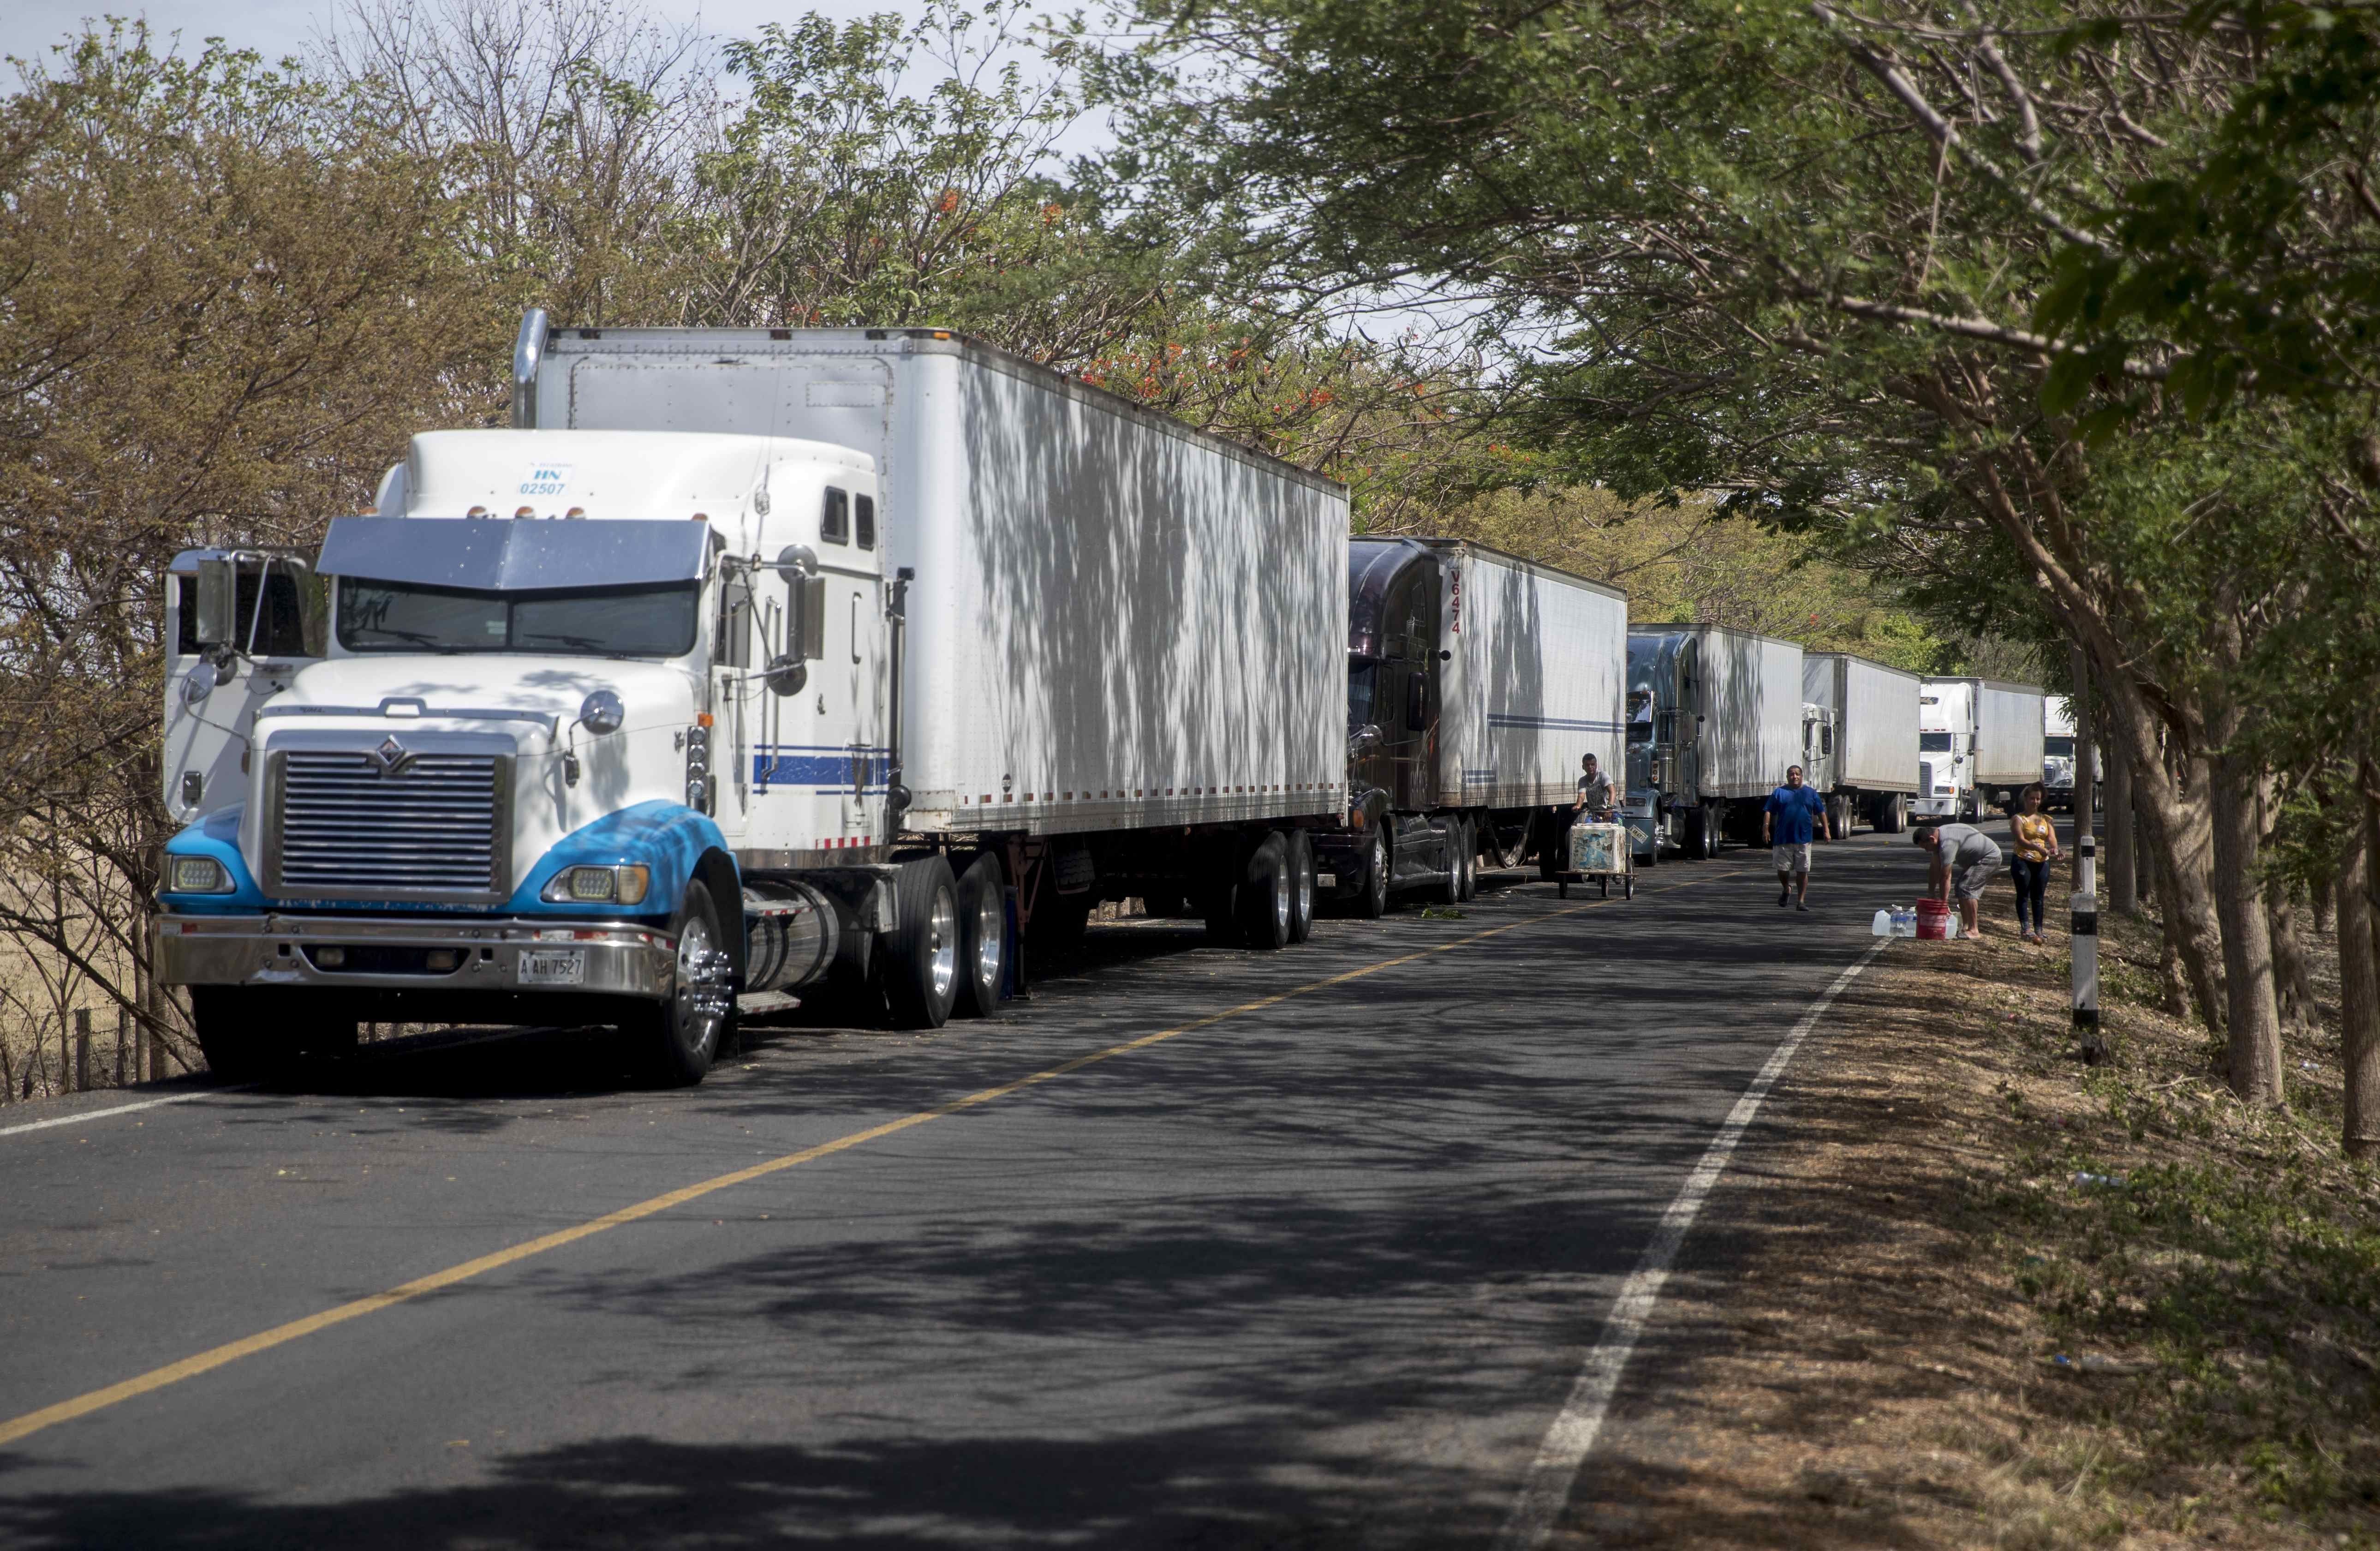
1961,1290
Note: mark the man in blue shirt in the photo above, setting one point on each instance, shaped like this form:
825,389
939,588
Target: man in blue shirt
1785,825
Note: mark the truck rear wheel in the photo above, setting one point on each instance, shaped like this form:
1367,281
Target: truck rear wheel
1265,895
1466,862
687,1028
921,973
1301,885
983,938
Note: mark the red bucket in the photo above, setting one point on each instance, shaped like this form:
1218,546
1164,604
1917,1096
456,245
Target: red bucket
1933,919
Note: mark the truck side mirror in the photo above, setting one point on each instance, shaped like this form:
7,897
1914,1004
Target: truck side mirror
805,606
218,622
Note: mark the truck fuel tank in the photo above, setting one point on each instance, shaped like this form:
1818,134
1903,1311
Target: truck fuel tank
790,934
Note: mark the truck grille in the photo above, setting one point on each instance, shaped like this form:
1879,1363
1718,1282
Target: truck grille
347,829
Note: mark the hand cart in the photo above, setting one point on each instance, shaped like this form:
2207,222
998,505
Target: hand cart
1599,853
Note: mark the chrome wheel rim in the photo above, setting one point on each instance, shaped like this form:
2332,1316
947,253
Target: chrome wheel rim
1280,900
943,944
702,973
988,929
1305,888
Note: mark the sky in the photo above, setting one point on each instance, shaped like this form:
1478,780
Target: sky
29,28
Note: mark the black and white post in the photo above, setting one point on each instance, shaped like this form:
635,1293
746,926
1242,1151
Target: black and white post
2083,924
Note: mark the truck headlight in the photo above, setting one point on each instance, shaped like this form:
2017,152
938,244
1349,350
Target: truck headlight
624,884
196,874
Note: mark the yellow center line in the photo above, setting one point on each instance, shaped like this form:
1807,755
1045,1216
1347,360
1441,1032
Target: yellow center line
264,1340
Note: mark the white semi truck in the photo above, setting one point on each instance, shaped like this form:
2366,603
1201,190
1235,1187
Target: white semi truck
1476,682
1979,743
2057,755
1715,717
746,660
1858,739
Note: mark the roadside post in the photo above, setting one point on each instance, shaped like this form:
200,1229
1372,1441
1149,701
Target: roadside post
2084,924
83,1050
124,1056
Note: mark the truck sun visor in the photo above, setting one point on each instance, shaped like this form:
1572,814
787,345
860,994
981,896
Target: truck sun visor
513,556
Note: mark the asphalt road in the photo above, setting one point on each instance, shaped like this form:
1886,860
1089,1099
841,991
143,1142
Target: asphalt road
1316,1270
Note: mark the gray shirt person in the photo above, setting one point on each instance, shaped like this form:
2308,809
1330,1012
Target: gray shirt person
1970,856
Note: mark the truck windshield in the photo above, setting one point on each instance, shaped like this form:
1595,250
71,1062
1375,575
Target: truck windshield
2059,745
1932,742
608,621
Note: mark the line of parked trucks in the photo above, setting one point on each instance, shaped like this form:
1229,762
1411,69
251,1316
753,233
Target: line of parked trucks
756,662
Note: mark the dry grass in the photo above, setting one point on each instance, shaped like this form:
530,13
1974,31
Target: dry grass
1864,1347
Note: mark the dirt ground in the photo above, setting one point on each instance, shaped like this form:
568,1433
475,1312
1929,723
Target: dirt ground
1960,1289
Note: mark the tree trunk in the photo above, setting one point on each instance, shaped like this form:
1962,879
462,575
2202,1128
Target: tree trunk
2170,980
2123,874
2292,975
2253,1017
2173,808
2359,994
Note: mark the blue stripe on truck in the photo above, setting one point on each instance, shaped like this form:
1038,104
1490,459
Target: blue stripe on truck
812,764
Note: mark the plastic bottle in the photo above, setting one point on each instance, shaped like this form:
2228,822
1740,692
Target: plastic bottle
1882,925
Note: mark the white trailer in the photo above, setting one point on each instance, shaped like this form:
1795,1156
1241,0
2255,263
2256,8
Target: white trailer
1538,679
1476,684
1979,744
749,658
1864,757
1715,719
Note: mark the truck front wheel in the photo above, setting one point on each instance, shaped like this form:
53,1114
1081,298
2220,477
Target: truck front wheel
687,1027
1372,894
921,975
1301,885
246,1035
233,1035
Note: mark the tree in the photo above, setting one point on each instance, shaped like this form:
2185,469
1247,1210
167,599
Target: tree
1795,256
224,294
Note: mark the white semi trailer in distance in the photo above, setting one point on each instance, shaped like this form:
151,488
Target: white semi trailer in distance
1979,744
748,659
1860,740
1715,717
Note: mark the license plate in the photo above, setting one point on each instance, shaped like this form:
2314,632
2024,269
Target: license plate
553,966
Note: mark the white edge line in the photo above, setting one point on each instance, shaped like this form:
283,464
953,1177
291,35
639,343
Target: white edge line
80,1116
1546,1489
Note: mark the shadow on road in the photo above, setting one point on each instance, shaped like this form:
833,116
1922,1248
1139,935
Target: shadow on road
861,1494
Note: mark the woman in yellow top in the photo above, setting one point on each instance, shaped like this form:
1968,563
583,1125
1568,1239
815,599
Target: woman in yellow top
2036,848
